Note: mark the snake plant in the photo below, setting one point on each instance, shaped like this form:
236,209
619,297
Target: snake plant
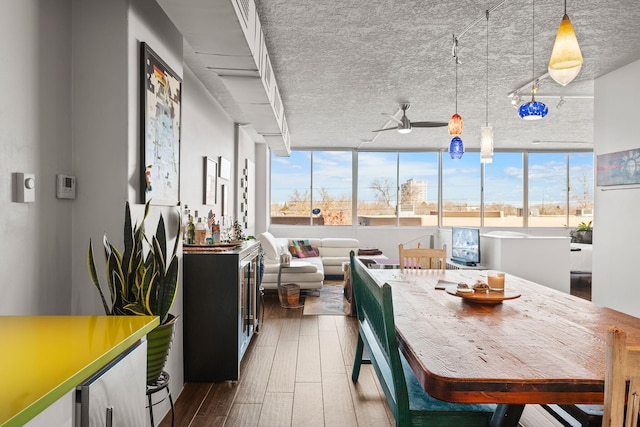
141,279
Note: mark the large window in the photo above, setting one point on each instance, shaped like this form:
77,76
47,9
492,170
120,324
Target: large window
402,188
331,183
311,187
548,190
503,191
461,190
418,177
377,188
291,188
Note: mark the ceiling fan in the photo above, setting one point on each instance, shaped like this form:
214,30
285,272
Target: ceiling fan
405,125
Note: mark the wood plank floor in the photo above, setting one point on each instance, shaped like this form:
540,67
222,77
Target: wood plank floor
297,372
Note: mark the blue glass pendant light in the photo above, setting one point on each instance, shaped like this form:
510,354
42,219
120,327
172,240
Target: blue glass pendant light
456,148
533,110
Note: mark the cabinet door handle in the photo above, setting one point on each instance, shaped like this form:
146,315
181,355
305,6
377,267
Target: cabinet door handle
109,417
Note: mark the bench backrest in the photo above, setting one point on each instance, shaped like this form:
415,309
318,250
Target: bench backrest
377,328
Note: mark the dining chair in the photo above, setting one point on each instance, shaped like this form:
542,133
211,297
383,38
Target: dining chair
622,363
422,258
408,401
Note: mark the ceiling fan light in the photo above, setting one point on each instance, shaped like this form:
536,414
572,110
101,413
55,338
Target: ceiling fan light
455,125
532,110
486,144
456,148
566,58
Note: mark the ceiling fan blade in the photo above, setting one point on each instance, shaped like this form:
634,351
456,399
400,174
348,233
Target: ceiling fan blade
392,117
429,124
380,130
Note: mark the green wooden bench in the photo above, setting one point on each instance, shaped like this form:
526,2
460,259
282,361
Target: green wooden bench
410,404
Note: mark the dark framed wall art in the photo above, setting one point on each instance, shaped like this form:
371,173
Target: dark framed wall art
161,103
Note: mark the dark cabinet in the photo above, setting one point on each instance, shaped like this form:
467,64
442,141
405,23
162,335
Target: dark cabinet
220,310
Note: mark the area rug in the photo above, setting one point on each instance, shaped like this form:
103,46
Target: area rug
330,302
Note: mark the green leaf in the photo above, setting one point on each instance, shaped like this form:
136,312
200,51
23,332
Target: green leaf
91,265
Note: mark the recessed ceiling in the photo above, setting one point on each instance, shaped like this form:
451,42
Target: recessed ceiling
341,65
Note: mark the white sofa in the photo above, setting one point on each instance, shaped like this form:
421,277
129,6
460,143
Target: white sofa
309,272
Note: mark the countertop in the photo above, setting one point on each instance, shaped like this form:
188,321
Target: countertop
44,357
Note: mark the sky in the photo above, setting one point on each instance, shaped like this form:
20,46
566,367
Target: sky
461,178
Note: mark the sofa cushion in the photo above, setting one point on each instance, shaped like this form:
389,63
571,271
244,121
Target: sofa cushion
303,249
340,242
269,245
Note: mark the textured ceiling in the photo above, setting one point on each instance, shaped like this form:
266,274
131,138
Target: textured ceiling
341,64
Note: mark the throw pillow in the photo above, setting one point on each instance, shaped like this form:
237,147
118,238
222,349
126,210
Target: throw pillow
302,249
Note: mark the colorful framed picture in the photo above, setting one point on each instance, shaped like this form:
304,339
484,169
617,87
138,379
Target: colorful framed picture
619,168
161,101
210,181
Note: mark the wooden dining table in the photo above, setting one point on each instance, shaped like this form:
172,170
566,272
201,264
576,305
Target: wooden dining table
544,346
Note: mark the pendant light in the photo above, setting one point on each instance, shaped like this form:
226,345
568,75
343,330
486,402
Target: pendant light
533,110
566,58
486,131
455,123
456,147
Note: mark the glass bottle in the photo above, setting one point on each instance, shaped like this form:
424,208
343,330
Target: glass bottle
191,231
185,223
200,232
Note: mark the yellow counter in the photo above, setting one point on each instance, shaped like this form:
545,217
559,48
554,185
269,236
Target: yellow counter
44,357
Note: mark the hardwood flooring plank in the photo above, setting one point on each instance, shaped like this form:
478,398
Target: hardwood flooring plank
309,325
330,353
276,410
219,399
202,421
327,323
269,333
308,405
308,363
244,415
369,404
338,405
187,404
255,375
290,330
348,336
283,371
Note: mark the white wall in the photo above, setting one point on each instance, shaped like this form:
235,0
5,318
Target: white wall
35,137
615,232
72,106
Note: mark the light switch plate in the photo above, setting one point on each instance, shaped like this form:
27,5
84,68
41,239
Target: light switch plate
25,187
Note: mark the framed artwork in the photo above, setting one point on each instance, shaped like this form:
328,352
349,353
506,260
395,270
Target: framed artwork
161,101
210,181
619,168
225,168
